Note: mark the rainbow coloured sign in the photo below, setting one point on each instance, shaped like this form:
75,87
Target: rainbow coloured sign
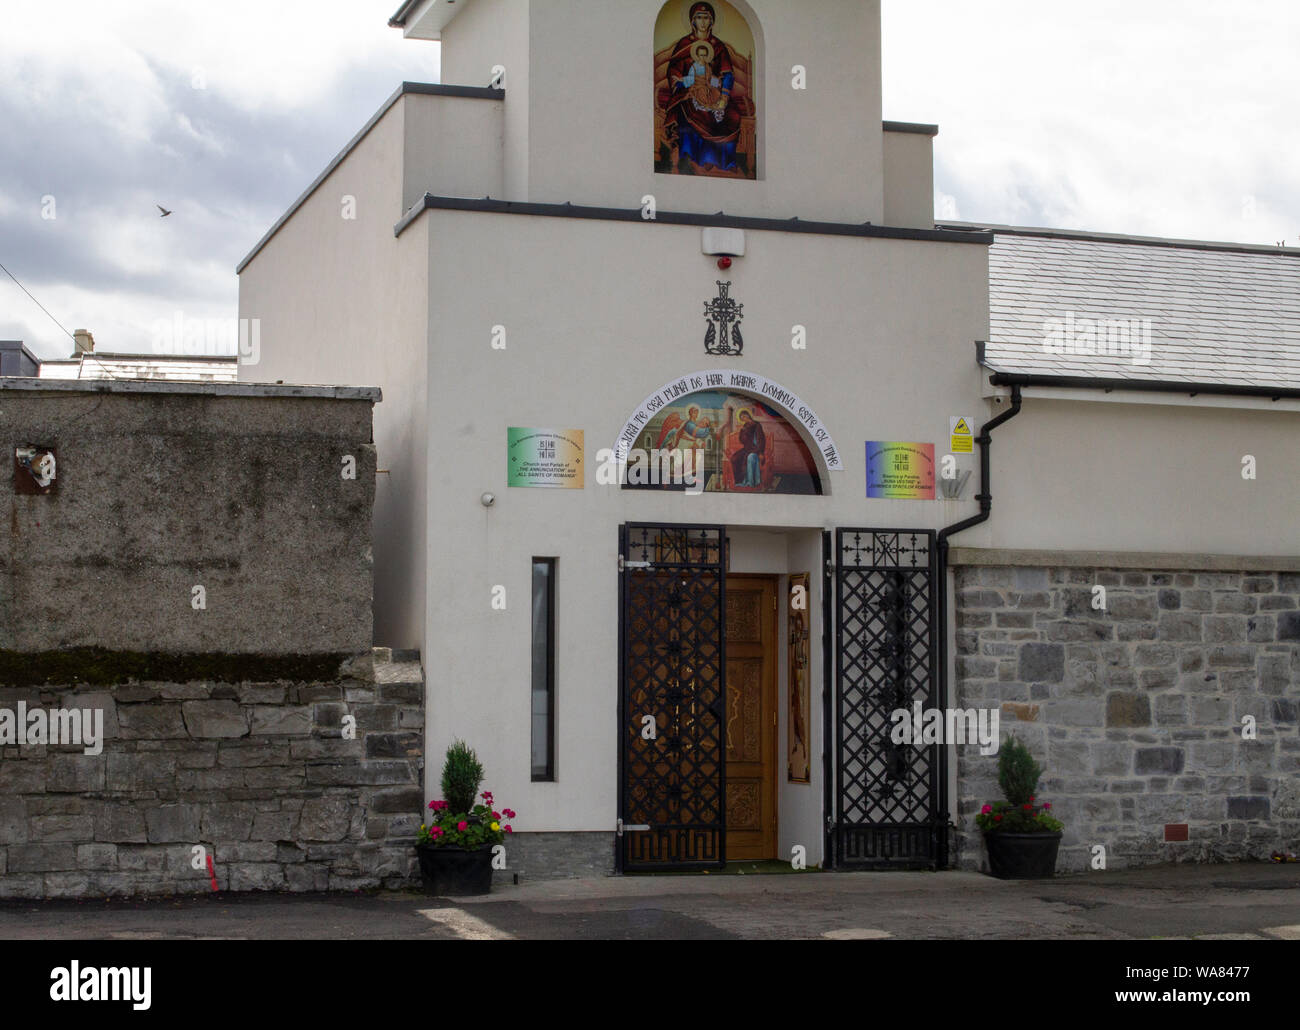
900,471
545,458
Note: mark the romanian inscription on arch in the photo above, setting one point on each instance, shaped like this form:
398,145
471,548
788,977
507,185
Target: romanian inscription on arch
745,433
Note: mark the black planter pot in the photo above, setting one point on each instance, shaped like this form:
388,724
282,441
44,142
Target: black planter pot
454,872
1022,856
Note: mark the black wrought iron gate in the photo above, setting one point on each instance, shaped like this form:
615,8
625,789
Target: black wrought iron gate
672,777
890,798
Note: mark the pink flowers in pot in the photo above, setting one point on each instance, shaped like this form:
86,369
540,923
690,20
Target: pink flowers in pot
482,826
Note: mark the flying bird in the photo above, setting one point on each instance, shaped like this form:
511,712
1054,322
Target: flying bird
164,211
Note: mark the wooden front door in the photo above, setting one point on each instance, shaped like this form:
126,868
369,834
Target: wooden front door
750,717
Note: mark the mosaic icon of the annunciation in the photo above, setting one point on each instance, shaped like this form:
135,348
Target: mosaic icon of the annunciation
705,112
743,445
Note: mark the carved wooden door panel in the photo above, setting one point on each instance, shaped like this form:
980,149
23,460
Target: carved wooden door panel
749,723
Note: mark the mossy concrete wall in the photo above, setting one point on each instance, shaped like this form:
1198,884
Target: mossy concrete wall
248,723
238,490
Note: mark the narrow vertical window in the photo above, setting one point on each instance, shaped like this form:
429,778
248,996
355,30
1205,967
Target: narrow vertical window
543,693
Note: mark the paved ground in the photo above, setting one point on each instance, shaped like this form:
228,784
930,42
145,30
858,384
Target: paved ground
1225,901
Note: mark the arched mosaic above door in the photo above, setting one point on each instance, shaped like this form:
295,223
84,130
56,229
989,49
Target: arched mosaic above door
741,444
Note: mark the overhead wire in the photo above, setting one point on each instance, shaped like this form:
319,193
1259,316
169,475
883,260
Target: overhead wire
25,290
38,303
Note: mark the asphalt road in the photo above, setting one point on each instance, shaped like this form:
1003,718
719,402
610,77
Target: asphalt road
1252,901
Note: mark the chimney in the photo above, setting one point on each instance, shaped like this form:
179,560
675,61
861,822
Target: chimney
84,341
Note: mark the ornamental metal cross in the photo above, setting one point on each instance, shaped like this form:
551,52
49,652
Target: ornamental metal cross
885,550
723,315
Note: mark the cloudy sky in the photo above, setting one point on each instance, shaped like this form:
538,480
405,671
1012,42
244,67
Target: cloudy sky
1160,117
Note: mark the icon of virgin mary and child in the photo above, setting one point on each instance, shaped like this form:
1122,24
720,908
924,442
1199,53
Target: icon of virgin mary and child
700,80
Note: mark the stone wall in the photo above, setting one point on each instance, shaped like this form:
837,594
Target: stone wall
266,778
559,856
1136,710
199,578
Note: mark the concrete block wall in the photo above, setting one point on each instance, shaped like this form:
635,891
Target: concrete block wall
1136,710
264,777
162,487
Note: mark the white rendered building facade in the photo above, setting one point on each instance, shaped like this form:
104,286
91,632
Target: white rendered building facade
681,238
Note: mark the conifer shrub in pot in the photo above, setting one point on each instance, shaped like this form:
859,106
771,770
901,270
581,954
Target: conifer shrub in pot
455,846
1022,836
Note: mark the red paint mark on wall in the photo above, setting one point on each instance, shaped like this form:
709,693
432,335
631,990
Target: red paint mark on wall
212,872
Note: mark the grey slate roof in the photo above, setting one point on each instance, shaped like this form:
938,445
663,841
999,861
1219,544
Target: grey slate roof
1218,313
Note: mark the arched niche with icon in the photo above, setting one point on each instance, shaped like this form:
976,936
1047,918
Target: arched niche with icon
706,110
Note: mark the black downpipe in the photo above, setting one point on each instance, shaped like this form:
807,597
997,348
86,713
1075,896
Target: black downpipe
829,811
621,707
985,498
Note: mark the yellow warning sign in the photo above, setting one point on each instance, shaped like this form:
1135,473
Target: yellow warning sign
963,440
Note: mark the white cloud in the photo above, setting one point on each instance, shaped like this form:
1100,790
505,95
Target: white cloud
1153,118
103,97
1165,117
255,53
